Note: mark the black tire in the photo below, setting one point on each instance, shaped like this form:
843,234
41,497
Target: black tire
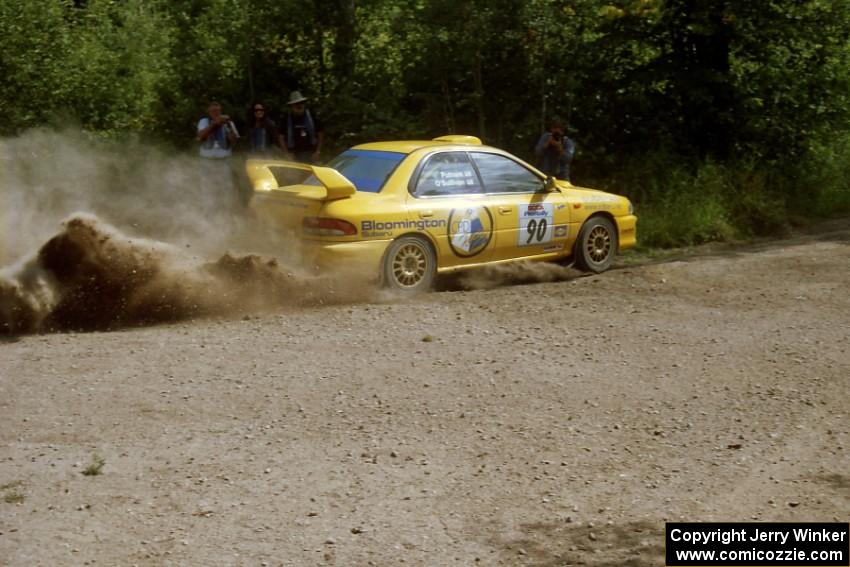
596,245
410,265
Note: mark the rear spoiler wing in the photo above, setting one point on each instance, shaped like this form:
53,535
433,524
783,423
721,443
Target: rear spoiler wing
261,173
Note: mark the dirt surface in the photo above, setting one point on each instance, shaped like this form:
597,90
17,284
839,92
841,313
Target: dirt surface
542,424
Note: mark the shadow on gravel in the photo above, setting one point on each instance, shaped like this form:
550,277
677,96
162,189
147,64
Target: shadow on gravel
838,482
834,237
513,274
551,544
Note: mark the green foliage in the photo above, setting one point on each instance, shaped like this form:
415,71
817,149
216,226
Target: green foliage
10,493
709,113
34,37
95,468
13,497
688,207
701,201
119,66
821,186
11,485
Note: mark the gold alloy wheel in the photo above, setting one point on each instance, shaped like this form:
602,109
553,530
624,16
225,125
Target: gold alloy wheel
598,244
410,264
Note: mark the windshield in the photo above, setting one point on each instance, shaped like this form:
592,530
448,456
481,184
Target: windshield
367,169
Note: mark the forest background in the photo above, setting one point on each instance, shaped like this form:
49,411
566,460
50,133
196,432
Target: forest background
719,119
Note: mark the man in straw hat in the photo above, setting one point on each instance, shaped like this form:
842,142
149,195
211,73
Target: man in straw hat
303,133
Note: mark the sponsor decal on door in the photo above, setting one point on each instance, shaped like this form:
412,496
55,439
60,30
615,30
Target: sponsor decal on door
536,224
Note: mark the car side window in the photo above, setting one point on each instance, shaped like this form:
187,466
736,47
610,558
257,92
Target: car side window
447,173
504,175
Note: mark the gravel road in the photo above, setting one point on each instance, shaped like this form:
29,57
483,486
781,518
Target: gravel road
545,424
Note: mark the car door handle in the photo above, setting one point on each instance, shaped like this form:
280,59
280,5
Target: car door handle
504,210
427,213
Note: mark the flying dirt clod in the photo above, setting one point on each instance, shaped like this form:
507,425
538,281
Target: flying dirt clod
91,276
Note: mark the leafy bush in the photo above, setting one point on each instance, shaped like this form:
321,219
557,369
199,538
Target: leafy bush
824,183
703,202
718,118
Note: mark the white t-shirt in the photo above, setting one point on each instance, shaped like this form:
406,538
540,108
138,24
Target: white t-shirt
216,145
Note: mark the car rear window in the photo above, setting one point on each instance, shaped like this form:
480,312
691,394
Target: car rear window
368,170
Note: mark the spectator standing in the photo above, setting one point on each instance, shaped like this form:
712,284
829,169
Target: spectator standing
304,133
217,135
263,135
555,151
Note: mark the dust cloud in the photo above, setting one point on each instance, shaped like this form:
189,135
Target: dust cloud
146,248
146,190
91,276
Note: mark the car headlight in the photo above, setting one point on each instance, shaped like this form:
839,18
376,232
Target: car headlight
631,208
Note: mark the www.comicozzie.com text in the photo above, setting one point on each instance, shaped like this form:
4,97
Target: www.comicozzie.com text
755,534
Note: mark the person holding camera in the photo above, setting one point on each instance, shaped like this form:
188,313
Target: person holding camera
216,133
554,151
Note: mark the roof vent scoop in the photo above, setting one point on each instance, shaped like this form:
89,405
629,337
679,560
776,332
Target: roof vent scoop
459,139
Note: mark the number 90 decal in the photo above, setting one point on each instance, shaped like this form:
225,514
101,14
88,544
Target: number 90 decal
535,224
536,231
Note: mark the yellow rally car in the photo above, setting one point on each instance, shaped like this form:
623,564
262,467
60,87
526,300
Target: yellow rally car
408,210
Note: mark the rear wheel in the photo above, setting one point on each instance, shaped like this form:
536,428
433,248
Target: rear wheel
596,245
410,265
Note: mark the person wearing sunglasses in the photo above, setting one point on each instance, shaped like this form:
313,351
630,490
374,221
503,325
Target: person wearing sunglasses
263,135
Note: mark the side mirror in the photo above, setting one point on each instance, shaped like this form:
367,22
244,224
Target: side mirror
549,184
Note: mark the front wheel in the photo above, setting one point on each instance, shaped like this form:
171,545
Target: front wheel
596,245
410,265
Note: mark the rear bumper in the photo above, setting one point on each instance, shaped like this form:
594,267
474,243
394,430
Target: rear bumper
627,231
362,257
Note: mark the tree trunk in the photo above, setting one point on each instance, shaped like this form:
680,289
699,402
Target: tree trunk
700,65
478,94
449,112
346,36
